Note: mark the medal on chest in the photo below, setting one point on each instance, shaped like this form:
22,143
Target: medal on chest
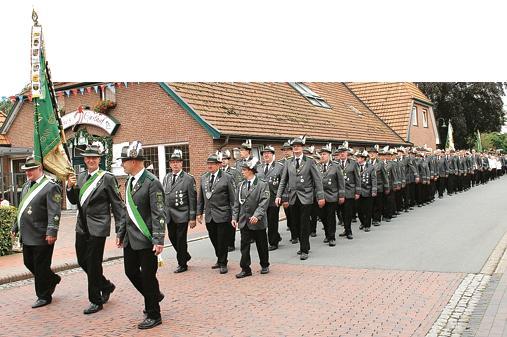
29,212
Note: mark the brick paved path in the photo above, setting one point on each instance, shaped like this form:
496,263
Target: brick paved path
290,301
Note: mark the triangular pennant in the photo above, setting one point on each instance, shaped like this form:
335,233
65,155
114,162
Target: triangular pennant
67,92
81,90
96,88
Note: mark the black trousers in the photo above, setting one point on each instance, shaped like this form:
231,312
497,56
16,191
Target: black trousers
261,241
38,260
178,236
389,205
441,183
231,236
141,269
288,216
90,252
328,217
219,234
347,211
274,237
419,193
314,216
411,194
451,184
399,200
301,224
405,198
365,210
378,205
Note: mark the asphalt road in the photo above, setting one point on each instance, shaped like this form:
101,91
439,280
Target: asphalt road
453,234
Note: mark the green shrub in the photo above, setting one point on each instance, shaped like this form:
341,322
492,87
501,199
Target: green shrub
7,216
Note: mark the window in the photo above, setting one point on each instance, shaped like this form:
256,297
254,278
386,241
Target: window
414,116
108,94
169,149
310,95
425,118
151,158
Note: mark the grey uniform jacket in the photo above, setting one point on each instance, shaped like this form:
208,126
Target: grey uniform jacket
424,170
251,202
381,173
352,180
216,202
333,182
368,180
411,172
234,173
397,173
403,163
470,164
452,164
273,177
96,210
41,217
442,167
304,183
148,196
180,198
391,174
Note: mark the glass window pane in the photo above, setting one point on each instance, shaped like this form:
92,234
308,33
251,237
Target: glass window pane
151,154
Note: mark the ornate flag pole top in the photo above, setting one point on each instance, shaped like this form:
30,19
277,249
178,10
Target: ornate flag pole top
35,17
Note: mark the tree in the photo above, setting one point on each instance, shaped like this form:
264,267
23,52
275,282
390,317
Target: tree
470,106
5,106
494,140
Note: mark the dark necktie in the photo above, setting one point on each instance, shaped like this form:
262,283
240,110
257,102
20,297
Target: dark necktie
362,168
325,168
212,179
131,183
32,183
266,170
297,163
248,186
88,177
343,164
174,178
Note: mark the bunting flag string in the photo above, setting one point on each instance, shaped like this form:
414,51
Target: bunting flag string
61,93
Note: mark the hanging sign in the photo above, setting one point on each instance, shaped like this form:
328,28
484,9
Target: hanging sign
90,117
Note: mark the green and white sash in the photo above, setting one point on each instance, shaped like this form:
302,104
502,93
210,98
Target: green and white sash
28,197
89,186
134,214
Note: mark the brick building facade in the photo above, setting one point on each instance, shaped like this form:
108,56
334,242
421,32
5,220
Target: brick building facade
200,118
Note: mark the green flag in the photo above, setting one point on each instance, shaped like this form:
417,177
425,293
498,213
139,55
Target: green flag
478,142
47,137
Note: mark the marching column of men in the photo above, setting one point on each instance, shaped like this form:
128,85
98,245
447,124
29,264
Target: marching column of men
377,184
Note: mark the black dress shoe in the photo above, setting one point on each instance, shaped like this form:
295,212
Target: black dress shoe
215,266
376,223
313,234
294,241
387,219
361,227
350,237
223,270
180,269
93,308
149,323
107,292
332,243
40,303
161,297
326,240
273,248
298,252
354,220
265,270
342,234
244,274
232,248
367,229
303,256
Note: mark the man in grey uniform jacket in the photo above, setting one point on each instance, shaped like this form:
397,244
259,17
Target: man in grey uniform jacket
142,234
368,176
333,184
250,215
271,172
37,222
350,171
180,207
215,201
301,180
96,193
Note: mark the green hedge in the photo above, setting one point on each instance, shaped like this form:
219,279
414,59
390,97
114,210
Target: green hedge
7,216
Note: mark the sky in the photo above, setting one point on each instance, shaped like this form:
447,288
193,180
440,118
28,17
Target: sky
265,40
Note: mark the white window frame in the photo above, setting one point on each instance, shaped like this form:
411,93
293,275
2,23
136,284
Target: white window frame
311,96
425,117
414,116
